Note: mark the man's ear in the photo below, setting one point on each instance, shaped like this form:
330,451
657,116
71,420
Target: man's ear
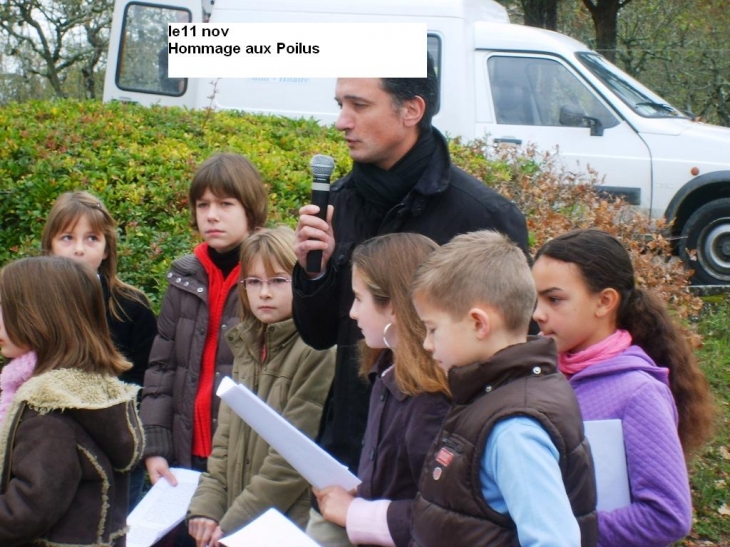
480,322
413,110
608,302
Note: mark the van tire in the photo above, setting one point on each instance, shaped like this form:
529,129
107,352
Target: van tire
708,232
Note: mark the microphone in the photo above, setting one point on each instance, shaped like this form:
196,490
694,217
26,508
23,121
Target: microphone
322,168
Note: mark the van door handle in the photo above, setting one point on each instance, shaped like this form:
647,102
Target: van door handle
508,140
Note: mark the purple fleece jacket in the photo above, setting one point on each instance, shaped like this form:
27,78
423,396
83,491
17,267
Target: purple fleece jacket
630,387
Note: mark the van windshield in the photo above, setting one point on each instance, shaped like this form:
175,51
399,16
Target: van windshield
640,99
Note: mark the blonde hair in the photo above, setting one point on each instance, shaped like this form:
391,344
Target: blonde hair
53,305
484,268
387,264
274,247
66,212
231,176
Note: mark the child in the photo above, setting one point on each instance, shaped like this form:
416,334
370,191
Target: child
227,201
245,477
409,397
71,434
511,463
81,228
610,337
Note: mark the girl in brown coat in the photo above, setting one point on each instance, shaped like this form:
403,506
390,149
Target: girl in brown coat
71,434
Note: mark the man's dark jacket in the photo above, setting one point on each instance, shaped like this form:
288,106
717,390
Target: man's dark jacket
445,202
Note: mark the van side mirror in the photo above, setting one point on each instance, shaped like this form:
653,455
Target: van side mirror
571,117
596,126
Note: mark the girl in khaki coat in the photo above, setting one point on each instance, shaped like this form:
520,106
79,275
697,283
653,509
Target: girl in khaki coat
245,477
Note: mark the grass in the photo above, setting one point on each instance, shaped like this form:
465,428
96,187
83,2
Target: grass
710,470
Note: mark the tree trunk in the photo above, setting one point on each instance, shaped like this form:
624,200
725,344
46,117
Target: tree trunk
605,20
541,13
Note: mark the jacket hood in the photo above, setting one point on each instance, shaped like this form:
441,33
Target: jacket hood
101,404
633,359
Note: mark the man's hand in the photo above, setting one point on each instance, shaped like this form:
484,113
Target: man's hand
333,503
205,531
314,234
157,467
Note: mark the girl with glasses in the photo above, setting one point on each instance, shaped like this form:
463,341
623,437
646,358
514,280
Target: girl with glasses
245,477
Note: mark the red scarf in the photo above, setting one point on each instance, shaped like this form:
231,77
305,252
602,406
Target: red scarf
572,363
218,290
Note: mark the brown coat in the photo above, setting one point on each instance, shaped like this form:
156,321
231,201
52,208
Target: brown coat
67,445
171,381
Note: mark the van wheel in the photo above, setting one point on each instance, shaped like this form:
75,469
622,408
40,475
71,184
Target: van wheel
708,232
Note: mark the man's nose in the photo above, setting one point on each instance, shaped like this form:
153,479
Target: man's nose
344,120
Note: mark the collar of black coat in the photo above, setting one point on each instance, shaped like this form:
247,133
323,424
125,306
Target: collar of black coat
424,168
536,356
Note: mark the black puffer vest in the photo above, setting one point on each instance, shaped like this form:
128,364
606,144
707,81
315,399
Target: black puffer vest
521,380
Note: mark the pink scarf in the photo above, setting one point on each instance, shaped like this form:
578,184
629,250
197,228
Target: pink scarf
572,363
14,375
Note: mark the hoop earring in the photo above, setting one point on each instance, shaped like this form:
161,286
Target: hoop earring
385,335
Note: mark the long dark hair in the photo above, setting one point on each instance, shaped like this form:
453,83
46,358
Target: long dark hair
604,263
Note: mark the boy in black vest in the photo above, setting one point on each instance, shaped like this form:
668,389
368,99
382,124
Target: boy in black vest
511,465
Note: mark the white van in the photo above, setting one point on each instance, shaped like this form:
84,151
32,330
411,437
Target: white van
499,81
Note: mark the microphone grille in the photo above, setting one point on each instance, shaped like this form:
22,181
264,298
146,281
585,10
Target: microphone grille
322,166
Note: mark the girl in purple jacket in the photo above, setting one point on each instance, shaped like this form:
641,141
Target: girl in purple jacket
409,397
627,360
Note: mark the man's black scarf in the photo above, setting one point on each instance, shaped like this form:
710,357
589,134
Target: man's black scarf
384,189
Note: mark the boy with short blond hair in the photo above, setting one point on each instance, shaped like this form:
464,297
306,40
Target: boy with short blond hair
511,465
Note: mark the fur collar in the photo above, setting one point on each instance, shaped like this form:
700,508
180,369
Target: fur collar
65,389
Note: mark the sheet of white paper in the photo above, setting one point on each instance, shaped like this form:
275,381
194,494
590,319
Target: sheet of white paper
314,464
609,458
272,529
162,508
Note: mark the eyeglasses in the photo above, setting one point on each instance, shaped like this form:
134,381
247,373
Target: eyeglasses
256,284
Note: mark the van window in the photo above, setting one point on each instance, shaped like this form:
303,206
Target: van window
641,100
142,62
434,50
540,91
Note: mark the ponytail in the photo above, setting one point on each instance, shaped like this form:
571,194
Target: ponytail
605,263
645,317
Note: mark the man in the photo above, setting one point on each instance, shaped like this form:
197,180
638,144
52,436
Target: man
402,180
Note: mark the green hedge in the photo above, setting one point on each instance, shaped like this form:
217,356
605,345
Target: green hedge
140,161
